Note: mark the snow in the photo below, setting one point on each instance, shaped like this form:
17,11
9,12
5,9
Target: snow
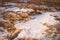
26,10
3,34
35,28
19,10
24,0
13,9
10,3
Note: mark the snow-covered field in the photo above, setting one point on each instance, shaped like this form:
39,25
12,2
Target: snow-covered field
36,28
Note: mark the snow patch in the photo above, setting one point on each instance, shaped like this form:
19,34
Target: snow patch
35,28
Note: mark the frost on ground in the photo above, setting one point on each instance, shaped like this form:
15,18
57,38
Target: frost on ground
43,27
